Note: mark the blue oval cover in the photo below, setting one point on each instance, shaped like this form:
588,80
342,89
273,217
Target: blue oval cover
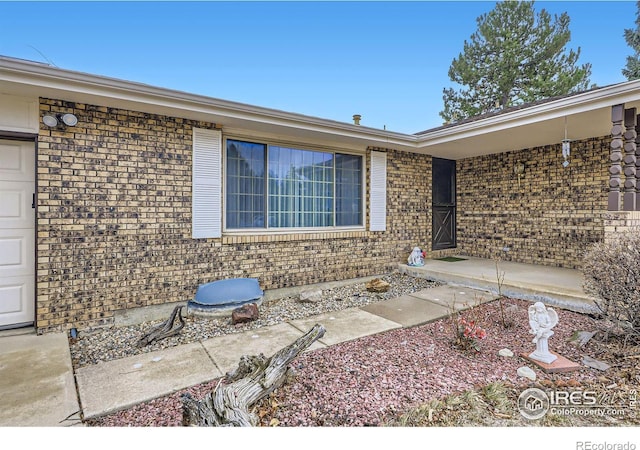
231,291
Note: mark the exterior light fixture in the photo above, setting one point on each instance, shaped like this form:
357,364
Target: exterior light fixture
518,169
50,120
69,120
566,146
566,151
53,121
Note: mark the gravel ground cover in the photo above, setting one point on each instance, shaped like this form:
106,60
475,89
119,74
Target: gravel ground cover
378,379
109,343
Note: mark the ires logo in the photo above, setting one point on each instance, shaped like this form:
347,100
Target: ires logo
575,398
534,403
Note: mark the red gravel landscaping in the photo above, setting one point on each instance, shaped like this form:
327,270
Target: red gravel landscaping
369,381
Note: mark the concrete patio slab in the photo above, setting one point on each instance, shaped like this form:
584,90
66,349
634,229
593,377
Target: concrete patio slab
346,325
36,382
118,384
227,350
455,297
407,310
551,285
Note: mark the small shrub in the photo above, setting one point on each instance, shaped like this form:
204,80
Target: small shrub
612,276
506,318
469,334
500,282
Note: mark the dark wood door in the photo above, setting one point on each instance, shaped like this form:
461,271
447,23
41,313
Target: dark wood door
443,204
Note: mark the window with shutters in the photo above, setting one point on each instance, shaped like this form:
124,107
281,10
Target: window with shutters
277,187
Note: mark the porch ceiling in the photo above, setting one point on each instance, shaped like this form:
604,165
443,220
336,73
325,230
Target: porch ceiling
586,115
546,132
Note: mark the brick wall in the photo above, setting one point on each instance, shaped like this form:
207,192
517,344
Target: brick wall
620,222
114,222
549,218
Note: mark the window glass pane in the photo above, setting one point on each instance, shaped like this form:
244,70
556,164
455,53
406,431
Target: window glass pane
348,190
306,188
245,206
444,171
296,177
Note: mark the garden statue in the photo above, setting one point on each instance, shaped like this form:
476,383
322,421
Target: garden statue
542,320
416,258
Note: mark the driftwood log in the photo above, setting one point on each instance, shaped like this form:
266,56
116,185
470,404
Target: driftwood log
163,330
255,378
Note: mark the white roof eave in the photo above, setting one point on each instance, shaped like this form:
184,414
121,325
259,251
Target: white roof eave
42,80
587,101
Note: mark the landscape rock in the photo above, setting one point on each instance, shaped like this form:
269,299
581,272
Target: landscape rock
377,285
102,344
246,313
310,296
512,309
505,352
581,338
526,372
594,363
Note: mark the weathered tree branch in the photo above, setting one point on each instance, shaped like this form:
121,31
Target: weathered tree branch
164,329
254,379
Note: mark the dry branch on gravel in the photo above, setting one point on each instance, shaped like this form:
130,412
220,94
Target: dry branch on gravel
255,378
163,330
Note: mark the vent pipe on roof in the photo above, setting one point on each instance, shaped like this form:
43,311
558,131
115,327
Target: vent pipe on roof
356,119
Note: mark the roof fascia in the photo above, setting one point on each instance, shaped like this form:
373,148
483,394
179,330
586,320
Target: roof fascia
587,101
39,75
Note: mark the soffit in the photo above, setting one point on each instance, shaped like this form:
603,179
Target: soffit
585,115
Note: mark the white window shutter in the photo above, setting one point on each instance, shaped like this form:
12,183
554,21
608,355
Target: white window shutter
378,196
207,184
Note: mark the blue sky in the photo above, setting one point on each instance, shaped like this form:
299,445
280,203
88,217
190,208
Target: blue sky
387,61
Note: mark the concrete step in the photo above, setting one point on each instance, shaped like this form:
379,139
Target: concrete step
551,285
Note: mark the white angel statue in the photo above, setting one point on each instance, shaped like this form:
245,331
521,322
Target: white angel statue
542,320
416,258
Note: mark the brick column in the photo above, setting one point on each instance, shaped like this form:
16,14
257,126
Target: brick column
615,170
638,162
629,197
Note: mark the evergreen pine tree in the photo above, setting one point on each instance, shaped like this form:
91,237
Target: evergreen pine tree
514,57
632,36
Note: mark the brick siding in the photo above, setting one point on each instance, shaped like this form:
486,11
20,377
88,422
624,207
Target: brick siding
549,219
114,217
114,222
620,222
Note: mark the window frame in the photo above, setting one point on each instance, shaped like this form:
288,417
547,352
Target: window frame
291,230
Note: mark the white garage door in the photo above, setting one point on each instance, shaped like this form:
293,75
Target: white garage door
17,233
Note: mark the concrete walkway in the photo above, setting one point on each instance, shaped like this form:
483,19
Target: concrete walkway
37,382
114,385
